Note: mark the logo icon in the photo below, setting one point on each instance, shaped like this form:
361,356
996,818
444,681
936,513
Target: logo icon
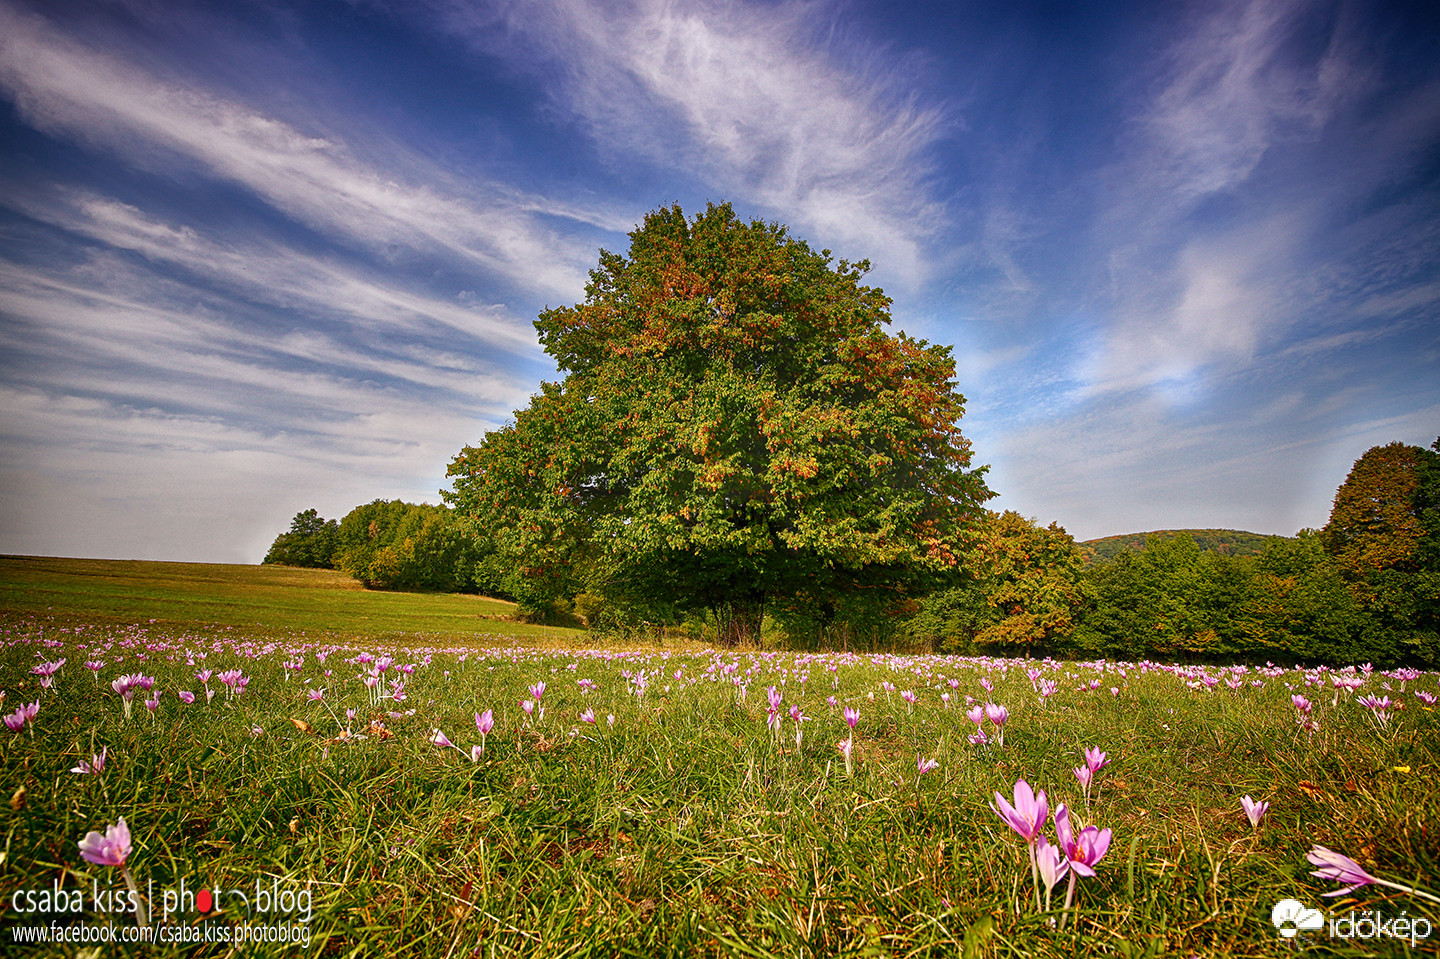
1291,917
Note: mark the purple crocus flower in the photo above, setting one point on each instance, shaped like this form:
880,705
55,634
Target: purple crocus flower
1053,865
111,849
1254,811
94,765
1338,868
1085,848
1027,817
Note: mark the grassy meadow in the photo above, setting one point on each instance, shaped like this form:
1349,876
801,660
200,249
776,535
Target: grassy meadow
309,757
309,601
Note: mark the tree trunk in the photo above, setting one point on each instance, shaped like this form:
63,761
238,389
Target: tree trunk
739,623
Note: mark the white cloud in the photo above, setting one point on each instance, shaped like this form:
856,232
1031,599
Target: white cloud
1232,92
760,101
156,344
1197,292
281,276
71,90
93,477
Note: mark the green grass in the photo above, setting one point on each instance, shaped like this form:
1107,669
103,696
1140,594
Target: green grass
687,827
313,601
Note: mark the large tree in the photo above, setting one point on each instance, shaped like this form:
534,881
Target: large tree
1384,533
735,426
1375,521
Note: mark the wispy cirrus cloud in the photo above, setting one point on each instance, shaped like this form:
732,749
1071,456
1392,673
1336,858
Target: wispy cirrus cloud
1212,237
761,101
1246,77
66,88
138,483
269,271
106,330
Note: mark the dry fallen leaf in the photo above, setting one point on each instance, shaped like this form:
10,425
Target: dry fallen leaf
461,908
303,726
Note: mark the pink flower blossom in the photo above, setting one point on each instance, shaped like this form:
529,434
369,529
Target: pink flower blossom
111,849
1052,864
1085,848
1254,811
1338,868
1027,817
95,765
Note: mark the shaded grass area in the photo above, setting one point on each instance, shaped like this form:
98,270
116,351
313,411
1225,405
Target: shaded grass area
278,598
687,827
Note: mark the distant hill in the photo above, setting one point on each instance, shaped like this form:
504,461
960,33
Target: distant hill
1230,542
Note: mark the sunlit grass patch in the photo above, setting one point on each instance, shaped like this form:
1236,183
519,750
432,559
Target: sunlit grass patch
686,819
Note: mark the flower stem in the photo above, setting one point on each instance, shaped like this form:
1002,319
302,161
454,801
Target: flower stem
1034,873
1069,898
142,910
1410,889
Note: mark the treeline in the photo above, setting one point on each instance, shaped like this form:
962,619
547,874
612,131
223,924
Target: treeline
1231,542
389,544
1366,588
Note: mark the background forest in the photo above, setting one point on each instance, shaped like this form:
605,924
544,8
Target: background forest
1366,588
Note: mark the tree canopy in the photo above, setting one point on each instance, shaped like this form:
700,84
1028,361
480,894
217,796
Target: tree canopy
735,426
390,544
1384,534
309,542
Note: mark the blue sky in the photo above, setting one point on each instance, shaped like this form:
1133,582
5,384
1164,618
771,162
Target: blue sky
262,257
